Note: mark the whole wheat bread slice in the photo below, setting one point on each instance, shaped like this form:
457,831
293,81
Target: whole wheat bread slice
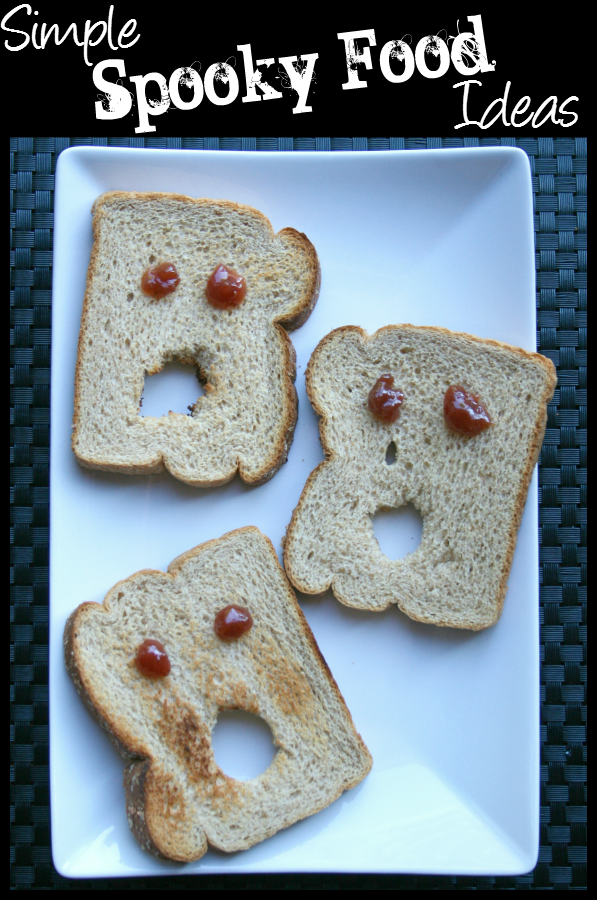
178,799
470,490
245,419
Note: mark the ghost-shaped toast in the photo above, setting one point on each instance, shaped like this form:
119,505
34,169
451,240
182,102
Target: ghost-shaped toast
469,489
178,799
245,419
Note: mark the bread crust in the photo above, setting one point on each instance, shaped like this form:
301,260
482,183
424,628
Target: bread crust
145,780
534,448
287,321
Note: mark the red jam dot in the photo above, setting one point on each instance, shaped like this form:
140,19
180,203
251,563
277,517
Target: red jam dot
232,622
463,412
152,660
157,281
226,288
384,400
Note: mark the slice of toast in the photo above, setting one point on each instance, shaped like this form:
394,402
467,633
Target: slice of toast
245,420
178,800
470,490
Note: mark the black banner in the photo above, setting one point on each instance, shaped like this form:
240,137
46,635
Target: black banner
122,69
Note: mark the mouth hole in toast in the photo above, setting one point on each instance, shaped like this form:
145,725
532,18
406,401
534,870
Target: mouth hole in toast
398,531
176,388
242,744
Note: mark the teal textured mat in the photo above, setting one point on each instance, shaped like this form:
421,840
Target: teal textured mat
560,187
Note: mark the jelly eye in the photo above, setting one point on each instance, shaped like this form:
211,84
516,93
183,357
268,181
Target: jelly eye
232,622
226,288
384,400
152,660
158,281
464,412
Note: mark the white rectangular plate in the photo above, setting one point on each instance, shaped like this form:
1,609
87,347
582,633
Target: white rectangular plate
451,719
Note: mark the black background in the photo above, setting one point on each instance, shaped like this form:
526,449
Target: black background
53,91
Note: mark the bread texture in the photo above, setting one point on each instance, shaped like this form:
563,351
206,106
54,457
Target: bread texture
245,419
469,490
177,798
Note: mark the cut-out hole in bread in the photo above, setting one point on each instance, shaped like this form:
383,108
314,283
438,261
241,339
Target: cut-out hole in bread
398,531
391,453
175,388
242,744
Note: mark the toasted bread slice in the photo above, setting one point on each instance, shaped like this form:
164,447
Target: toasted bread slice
245,420
178,799
470,490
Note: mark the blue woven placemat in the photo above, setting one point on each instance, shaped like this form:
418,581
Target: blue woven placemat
560,187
